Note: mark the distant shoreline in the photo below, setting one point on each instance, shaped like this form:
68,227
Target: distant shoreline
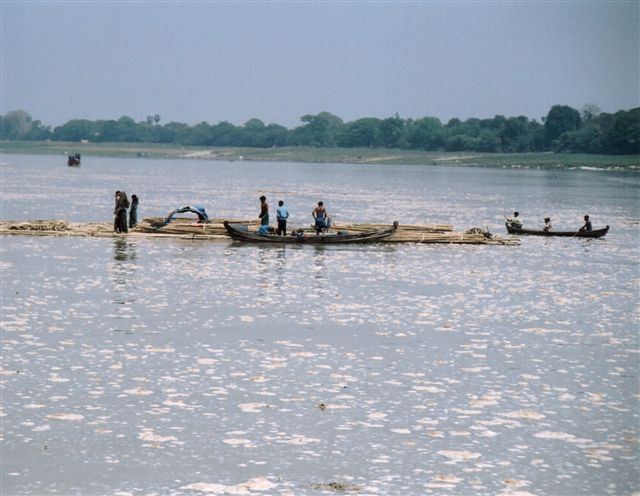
538,160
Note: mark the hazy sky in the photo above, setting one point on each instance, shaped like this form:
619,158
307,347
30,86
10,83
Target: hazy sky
277,61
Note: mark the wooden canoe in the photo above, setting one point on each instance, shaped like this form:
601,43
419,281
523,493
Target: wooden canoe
240,233
597,233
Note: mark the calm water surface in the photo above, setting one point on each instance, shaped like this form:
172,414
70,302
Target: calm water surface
159,366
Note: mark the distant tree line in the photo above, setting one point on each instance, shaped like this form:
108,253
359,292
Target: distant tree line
563,129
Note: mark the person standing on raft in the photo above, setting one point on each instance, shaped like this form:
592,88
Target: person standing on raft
120,212
133,213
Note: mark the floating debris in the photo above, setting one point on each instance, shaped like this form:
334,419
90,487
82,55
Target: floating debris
338,487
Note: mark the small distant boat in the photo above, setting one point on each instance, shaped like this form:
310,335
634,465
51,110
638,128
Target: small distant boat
597,233
74,160
240,233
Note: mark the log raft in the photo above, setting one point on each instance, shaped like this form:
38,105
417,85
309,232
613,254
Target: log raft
214,230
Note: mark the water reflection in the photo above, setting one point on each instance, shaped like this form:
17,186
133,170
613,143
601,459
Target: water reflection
124,250
438,353
319,262
123,273
265,263
281,264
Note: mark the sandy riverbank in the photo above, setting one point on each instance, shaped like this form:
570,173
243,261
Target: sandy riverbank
325,155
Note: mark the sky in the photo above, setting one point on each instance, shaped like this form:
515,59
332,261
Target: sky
191,62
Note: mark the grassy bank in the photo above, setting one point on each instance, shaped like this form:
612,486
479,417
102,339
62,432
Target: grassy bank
327,155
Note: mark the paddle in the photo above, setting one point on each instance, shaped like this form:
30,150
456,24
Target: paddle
509,222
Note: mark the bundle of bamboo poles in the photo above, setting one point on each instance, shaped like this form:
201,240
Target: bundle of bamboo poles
422,228
214,229
182,226
55,228
36,225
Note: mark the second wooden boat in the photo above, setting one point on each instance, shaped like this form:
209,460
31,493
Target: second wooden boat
241,233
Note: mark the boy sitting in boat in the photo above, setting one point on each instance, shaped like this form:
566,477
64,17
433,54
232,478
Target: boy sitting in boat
587,224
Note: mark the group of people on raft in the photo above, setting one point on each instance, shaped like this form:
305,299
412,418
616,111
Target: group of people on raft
516,221
321,218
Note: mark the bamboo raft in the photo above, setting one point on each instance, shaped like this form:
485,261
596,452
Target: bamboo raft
214,230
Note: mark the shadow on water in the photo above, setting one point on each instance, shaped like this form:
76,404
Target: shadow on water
123,272
319,262
124,250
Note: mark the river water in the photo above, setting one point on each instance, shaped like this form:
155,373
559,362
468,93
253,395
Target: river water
164,366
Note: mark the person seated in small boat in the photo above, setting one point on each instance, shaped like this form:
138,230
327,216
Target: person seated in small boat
322,221
587,224
515,221
547,224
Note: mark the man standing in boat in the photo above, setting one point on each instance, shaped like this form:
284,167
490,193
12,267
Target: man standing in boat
264,215
321,218
282,214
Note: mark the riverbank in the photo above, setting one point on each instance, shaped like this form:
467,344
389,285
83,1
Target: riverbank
326,155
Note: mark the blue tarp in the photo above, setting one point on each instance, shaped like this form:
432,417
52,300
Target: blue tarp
199,211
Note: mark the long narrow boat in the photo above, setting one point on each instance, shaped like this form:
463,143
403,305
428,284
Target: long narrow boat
598,233
240,233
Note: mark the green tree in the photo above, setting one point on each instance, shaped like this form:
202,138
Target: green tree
488,141
226,134
319,130
361,133
75,130
200,135
425,134
38,132
514,135
623,135
127,130
15,125
252,134
589,112
587,139
275,135
559,120
107,131
177,131
392,132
